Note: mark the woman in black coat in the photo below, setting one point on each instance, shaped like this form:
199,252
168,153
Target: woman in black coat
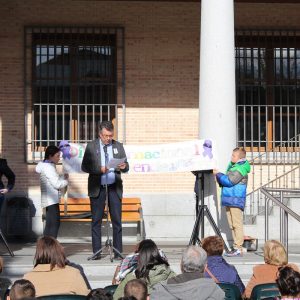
9,174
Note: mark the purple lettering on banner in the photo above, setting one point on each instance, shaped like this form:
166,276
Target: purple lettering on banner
146,168
141,168
137,168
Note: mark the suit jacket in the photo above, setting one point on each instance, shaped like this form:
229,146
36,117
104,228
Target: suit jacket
91,164
8,173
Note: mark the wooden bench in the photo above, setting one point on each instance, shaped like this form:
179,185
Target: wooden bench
79,210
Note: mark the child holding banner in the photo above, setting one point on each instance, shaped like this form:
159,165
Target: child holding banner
234,186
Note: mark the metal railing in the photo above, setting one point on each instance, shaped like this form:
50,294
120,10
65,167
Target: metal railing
264,128
284,212
271,137
255,204
76,123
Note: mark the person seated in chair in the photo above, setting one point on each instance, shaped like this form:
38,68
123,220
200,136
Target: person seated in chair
288,283
275,256
151,268
191,284
217,267
22,289
99,294
136,288
51,275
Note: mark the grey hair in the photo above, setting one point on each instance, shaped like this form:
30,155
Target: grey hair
108,125
193,259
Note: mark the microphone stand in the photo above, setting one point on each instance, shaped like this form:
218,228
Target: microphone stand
203,211
6,244
108,244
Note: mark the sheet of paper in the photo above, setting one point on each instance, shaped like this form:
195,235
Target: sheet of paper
114,162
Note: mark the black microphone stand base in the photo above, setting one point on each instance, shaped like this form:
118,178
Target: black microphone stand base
111,250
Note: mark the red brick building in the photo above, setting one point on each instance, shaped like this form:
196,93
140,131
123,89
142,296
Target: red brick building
63,63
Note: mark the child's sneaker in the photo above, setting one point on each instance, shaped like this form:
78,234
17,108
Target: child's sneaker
235,252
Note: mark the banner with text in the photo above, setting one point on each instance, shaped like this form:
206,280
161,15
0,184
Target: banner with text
195,155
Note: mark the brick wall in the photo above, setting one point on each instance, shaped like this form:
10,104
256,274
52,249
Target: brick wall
162,67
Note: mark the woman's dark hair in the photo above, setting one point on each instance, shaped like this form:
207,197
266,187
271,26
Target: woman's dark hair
288,281
99,294
148,258
50,151
49,251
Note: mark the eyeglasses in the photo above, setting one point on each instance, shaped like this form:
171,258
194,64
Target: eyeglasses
106,135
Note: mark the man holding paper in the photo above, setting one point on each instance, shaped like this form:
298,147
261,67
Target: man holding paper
104,159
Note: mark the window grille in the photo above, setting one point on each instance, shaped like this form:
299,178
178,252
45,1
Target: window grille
74,78
267,87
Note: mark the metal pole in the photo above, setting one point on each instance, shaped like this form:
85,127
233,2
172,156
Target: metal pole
281,219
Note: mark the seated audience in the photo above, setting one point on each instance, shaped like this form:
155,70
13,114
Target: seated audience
275,256
217,268
129,263
99,294
4,282
191,284
51,275
21,289
81,270
136,288
288,283
151,268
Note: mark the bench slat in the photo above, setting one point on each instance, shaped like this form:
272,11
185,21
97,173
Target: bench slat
79,210
87,201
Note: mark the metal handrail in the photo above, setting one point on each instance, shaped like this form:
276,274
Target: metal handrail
284,212
273,180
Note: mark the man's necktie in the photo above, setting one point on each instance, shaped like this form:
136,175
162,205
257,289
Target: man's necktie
106,154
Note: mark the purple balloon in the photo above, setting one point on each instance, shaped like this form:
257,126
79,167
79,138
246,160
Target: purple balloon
207,147
65,148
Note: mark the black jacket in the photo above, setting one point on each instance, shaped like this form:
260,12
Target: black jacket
8,173
91,163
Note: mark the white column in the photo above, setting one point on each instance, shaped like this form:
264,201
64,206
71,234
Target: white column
217,77
217,117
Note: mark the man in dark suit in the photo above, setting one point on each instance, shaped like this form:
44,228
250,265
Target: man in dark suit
97,155
9,174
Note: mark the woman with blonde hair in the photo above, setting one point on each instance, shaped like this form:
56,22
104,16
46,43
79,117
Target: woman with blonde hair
275,256
51,275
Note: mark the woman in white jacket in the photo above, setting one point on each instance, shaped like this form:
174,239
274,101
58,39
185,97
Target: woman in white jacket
51,183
